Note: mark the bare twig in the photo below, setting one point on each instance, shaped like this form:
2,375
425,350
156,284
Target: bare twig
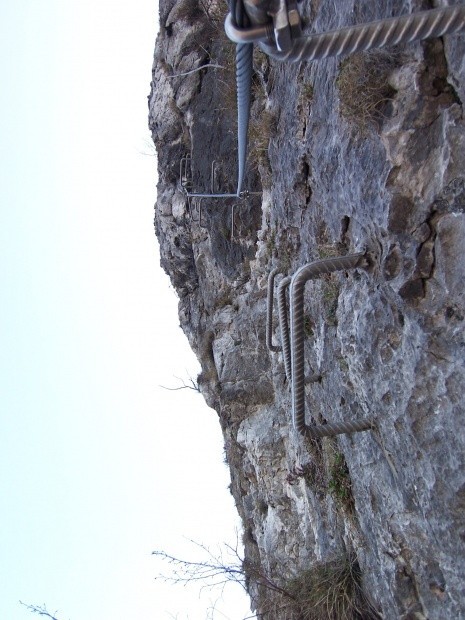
185,386
40,610
207,66
226,566
213,571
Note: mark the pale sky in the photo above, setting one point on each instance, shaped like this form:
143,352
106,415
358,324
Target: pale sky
99,465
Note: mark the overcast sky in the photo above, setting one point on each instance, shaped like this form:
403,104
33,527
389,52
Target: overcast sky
99,465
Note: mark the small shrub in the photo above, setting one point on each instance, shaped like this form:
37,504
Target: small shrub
307,92
312,473
308,326
340,484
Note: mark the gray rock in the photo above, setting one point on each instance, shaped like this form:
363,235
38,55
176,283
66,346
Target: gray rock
388,341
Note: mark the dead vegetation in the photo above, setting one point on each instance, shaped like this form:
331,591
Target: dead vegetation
262,129
329,590
364,89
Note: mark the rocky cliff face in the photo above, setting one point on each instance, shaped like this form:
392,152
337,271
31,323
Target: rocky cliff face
365,153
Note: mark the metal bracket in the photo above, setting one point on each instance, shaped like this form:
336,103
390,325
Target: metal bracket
280,24
185,173
195,199
286,24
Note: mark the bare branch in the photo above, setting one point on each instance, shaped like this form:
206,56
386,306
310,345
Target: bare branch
213,571
185,386
40,610
218,569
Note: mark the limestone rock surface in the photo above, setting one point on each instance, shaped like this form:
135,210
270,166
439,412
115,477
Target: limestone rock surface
340,169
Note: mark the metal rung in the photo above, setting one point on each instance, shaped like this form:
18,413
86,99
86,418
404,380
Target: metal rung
293,348
185,173
195,199
214,178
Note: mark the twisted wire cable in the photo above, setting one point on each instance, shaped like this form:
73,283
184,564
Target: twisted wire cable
269,311
380,33
362,37
300,278
244,70
284,325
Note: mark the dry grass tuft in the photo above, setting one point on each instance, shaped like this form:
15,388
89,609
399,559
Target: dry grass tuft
332,590
363,86
262,129
327,591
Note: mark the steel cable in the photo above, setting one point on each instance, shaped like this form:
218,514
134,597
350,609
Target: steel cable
381,33
298,282
244,70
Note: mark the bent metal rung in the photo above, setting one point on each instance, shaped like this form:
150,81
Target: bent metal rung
269,312
300,278
284,325
283,319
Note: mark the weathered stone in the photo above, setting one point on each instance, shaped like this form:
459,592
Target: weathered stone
392,349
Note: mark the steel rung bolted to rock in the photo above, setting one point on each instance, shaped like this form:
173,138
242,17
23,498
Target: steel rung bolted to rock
284,325
185,173
269,312
300,278
283,319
